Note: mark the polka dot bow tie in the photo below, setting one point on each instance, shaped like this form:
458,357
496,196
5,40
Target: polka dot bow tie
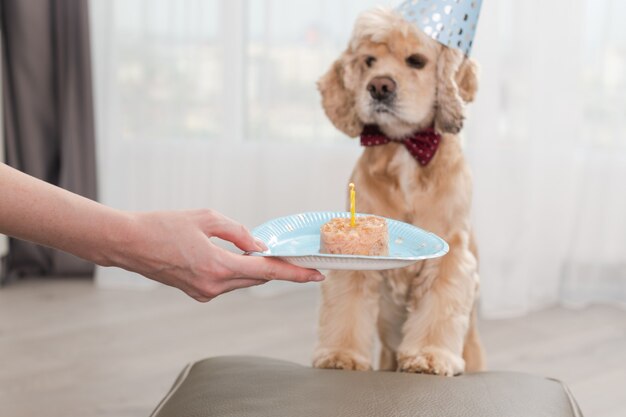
422,145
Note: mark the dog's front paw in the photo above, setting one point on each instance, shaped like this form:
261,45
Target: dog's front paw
340,359
431,360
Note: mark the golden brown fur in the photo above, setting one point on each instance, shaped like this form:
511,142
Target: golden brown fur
424,314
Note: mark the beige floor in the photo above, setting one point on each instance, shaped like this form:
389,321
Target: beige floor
68,349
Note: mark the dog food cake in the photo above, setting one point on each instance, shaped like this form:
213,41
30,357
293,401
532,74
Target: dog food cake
369,236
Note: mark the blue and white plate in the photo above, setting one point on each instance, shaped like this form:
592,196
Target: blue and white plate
296,239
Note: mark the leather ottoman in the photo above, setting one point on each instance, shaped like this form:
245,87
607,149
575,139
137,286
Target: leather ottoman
259,387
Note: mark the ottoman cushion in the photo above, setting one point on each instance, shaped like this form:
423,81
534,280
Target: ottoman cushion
260,387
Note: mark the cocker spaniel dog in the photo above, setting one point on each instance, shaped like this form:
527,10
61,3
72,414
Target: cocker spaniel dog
396,86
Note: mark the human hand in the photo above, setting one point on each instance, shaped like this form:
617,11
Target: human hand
174,248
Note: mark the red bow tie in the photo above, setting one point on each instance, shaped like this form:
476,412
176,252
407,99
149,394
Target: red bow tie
422,144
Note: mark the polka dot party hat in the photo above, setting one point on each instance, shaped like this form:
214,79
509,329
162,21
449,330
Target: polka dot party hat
451,22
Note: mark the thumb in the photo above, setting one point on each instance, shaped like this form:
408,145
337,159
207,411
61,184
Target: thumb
236,233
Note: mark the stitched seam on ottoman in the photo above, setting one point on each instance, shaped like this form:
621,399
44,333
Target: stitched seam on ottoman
572,403
182,377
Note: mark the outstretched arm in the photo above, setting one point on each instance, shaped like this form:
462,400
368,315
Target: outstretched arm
172,247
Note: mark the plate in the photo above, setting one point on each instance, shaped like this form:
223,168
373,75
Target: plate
296,239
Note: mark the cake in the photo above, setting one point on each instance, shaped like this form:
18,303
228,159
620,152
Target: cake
368,237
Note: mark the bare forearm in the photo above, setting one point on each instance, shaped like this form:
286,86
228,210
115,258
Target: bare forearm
172,247
33,210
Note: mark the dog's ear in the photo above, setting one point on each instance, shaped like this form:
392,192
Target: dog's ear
467,79
338,101
457,82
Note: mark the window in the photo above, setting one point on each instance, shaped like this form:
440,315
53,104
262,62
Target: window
604,72
166,68
217,69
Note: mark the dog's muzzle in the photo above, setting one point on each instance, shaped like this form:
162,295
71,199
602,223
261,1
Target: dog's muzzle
382,89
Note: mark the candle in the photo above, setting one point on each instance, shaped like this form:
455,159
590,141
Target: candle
352,205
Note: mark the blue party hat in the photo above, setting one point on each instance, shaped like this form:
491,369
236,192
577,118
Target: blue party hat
450,22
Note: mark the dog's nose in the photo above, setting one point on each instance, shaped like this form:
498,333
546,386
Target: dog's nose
381,88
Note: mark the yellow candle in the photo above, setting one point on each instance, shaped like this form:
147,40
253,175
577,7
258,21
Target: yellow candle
352,205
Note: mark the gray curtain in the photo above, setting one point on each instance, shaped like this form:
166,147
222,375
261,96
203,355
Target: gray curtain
48,113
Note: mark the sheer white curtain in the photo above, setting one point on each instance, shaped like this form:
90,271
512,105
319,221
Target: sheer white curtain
212,103
547,142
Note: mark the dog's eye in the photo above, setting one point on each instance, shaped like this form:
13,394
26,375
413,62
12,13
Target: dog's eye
369,61
416,61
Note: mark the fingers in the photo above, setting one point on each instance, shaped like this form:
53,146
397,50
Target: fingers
271,269
221,226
